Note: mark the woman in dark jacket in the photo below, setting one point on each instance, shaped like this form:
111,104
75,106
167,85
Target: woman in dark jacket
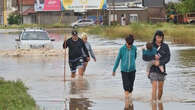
156,76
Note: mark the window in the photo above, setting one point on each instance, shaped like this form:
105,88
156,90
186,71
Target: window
35,36
133,18
112,17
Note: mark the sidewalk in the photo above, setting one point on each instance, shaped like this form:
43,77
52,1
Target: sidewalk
4,31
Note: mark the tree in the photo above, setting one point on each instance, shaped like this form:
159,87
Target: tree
14,19
185,6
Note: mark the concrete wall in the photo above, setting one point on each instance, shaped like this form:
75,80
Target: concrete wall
1,11
108,15
1,19
27,20
141,15
55,17
156,14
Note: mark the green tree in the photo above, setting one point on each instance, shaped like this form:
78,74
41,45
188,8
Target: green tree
185,6
14,19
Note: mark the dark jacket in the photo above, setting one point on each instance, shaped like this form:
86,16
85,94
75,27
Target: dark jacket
75,48
164,52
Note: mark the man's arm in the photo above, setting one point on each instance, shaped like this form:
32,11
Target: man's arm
117,61
65,44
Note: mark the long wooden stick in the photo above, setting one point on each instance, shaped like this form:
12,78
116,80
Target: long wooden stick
65,59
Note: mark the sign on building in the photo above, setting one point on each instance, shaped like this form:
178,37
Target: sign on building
83,4
48,5
76,5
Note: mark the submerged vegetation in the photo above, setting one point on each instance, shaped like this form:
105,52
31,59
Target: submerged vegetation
14,96
179,34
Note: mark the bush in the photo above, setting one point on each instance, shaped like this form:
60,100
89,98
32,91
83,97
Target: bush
14,96
14,19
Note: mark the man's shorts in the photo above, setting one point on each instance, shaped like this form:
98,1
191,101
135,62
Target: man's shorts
85,59
75,64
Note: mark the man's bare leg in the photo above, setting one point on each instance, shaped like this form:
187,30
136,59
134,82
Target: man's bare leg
127,101
80,71
73,74
84,67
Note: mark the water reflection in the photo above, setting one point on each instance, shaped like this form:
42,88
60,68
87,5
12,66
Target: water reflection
157,106
79,104
187,57
79,85
129,105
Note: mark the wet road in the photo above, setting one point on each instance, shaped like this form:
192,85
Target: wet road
98,90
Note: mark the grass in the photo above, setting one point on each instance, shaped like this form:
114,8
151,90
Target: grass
179,34
14,96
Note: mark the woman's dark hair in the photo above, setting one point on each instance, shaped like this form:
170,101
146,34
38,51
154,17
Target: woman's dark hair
129,39
159,33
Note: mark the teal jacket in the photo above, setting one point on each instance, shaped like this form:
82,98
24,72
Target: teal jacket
151,52
127,57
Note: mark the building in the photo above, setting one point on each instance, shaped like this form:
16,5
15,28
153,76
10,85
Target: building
1,11
120,11
27,8
131,11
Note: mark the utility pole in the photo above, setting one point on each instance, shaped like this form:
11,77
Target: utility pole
113,7
5,12
22,10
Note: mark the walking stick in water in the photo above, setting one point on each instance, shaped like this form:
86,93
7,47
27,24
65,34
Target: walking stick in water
64,58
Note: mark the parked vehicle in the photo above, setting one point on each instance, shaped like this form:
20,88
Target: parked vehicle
83,22
34,38
189,18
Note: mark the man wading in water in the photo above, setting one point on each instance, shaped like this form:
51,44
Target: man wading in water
76,61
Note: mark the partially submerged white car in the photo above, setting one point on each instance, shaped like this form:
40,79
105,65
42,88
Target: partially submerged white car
34,38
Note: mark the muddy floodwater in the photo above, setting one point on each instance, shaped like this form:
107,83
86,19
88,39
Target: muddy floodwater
97,90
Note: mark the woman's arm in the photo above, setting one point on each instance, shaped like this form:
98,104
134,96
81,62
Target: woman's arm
85,49
91,52
165,58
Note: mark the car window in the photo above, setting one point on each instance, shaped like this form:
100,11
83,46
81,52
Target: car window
35,36
88,21
81,21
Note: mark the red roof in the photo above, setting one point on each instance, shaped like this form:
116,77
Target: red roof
29,11
27,2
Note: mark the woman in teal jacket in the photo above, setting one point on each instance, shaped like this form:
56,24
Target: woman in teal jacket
127,55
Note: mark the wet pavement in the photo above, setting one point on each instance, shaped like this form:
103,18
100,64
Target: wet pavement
98,90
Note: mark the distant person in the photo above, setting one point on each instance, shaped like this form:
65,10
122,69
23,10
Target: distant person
90,50
156,76
123,20
127,55
76,61
150,51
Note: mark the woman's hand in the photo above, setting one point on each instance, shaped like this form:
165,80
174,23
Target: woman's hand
157,57
88,58
156,63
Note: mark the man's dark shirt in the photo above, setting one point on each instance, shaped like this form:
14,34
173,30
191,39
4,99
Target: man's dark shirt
75,48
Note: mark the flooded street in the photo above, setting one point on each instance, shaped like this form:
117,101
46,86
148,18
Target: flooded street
98,90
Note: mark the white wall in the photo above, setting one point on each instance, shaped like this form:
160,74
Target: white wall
167,1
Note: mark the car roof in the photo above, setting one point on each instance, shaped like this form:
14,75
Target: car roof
34,30
86,19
